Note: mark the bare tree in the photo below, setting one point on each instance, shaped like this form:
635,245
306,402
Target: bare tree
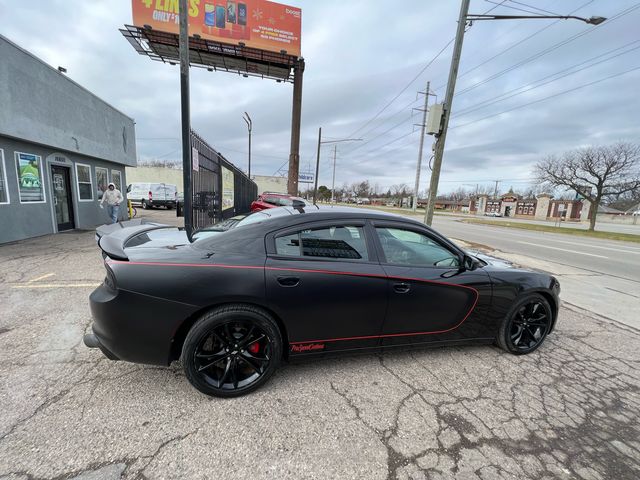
595,173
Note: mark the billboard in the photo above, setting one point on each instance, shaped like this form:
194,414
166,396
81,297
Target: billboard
228,188
256,23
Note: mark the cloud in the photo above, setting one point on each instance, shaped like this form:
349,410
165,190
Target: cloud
360,55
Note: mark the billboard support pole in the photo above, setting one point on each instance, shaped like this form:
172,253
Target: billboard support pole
294,156
186,117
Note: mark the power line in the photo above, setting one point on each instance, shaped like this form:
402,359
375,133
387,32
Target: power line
404,89
535,8
510,94
548,97
537,32
524,10
414,79
547,50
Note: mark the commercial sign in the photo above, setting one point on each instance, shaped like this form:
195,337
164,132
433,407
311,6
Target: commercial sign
228,187
256,23
29,169
306,177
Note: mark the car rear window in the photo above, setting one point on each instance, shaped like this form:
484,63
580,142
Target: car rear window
346,242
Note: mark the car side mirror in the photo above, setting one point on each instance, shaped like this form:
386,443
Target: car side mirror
470,263
298,205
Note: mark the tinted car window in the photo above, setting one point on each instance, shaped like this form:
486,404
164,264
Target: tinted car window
270,200
405,247
329,242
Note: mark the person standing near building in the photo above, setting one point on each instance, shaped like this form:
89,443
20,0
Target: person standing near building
113,197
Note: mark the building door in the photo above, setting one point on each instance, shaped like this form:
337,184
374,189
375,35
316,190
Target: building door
63,204
507,211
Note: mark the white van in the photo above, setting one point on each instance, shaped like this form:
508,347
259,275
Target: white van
150,195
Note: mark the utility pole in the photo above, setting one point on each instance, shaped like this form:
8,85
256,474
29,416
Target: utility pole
333,182
448,99
419,167
495,194
451,85
249,123
185,116
315,186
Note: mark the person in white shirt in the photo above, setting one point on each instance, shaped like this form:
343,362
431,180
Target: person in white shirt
113,197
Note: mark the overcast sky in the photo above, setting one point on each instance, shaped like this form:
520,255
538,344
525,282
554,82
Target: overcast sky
359,56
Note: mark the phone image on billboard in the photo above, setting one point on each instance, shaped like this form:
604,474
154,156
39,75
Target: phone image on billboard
242,14
231,12
220,15
209,15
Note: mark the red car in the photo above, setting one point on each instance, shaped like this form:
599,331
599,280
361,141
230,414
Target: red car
272,200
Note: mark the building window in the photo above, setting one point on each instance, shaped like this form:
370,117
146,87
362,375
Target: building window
30,181
4,188
116,179
102,181
85,185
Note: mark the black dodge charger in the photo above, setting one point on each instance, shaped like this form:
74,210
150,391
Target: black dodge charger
304,282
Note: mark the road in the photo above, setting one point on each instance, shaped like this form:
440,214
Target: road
601,226
570,410
602,276
607,257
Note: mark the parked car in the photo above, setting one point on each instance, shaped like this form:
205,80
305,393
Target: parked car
492,214
303,283
151,195
273,200
169,235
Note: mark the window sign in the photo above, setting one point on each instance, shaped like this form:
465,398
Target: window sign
30,183
116,178
4,190
102,181
85,184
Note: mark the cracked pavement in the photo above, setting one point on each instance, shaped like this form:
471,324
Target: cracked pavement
569,410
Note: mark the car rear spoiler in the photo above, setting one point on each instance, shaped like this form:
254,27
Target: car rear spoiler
112,244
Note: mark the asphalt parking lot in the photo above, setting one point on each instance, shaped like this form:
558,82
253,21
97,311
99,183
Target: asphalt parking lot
570,410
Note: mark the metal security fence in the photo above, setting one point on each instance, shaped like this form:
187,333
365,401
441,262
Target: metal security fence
219,190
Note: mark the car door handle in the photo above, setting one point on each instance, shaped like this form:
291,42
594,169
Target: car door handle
289,281
401,287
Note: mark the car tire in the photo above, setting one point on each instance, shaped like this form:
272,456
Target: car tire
526,325
145,205
221,356
169,207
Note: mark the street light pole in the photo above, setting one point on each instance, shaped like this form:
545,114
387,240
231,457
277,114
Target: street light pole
320,142
419,167
315,185
249,123
451,85
333,182
448,99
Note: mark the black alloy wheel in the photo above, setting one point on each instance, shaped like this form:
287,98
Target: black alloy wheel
231,351
526,326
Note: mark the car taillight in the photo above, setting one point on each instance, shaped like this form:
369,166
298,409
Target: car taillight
150,195
110,278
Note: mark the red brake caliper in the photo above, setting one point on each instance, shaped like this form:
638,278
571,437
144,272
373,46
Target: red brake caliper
254,347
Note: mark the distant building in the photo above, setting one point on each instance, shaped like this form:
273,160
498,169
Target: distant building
60,146
142,174
542,207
